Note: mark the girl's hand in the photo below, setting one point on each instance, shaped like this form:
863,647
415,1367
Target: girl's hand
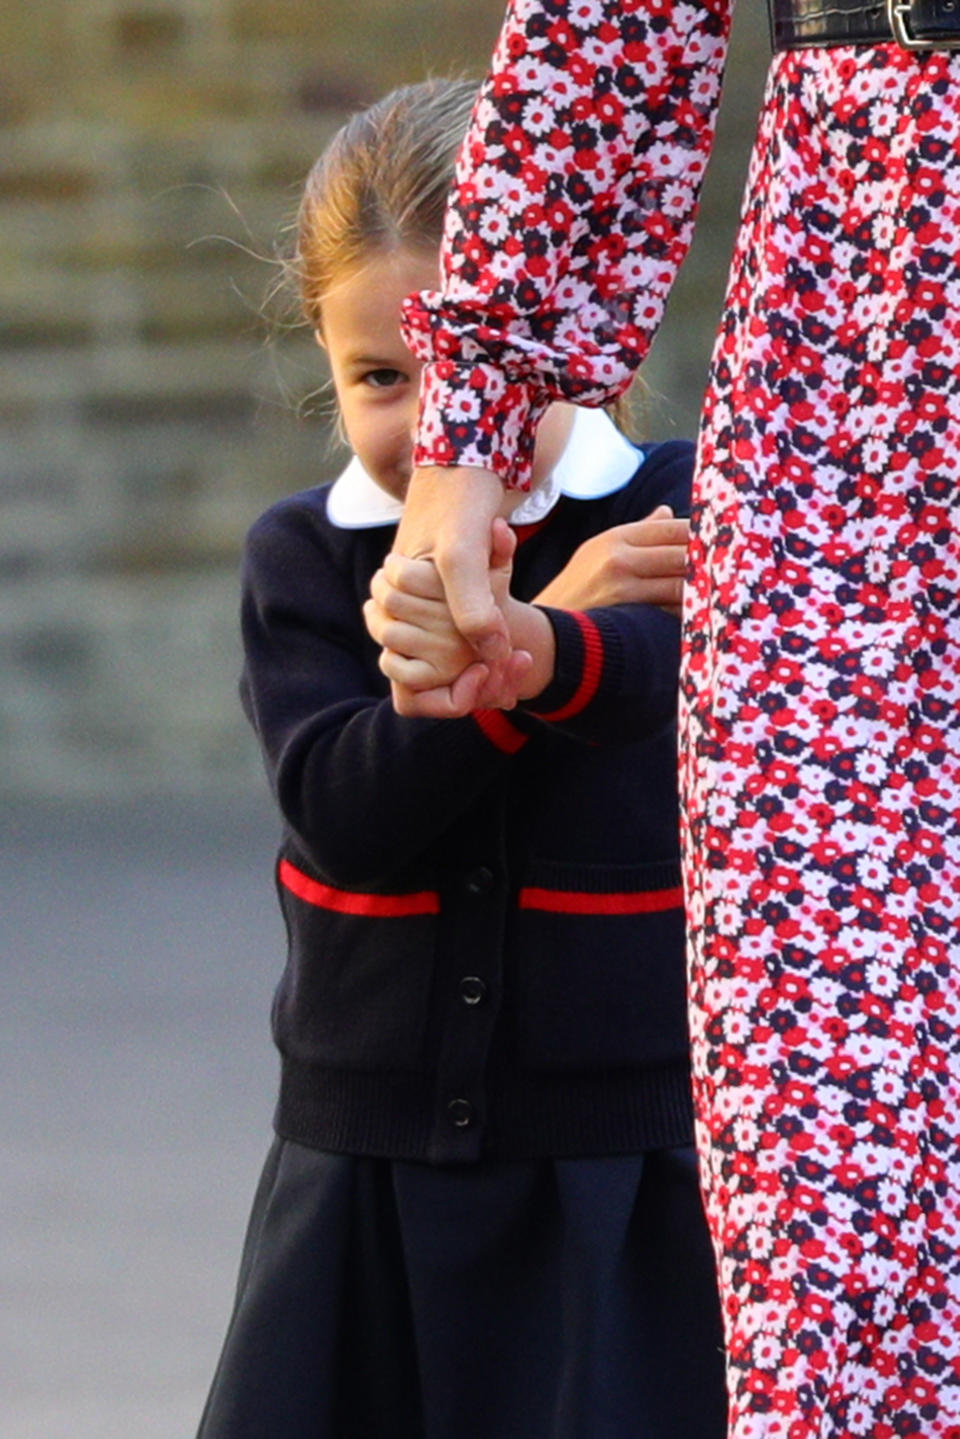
432,669
639,563
410,619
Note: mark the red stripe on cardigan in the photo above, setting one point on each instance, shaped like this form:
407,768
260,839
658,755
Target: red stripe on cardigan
592,670
568,901
349,901
500,731
524,532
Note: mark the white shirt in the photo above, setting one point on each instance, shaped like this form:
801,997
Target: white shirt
597,460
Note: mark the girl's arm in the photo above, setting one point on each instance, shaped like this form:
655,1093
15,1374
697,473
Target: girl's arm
614,674
365,789
641,562
603,673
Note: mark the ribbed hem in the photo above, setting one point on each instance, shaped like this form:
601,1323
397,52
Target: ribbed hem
615,1113
530,1116
355,1112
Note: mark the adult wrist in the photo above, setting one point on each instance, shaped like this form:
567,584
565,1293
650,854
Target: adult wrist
473,415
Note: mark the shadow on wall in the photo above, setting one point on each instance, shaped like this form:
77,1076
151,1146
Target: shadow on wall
146,418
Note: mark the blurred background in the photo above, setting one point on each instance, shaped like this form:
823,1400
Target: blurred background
152,153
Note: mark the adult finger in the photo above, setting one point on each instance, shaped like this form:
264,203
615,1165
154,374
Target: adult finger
473,609
660,591
503,684
448,515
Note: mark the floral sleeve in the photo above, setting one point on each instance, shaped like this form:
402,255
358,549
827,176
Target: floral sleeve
574,204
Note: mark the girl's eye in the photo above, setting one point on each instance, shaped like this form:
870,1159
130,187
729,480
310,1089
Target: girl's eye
383,379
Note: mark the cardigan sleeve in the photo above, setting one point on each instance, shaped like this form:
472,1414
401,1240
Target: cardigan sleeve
366,791
616,673
573,208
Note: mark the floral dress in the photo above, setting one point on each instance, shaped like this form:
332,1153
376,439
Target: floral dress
820,753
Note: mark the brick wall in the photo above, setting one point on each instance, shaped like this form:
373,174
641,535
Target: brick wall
150,153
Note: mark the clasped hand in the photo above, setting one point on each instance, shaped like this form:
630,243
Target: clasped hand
434,670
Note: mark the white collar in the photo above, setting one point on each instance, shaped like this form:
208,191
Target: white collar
597,460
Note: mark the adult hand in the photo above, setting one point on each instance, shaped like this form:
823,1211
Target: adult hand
433,672
448,517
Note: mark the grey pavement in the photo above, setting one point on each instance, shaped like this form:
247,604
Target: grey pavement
139,946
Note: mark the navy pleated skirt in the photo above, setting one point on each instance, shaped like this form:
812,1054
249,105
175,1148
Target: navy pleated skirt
543,1299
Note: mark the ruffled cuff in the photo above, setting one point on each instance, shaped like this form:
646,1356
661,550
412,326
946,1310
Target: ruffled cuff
472,414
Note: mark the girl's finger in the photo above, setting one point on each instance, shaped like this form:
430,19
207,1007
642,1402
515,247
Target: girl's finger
413,674
660,591
442,702
414,577
374,619
421,644
658,561
656,532
387,597
402,606
501,688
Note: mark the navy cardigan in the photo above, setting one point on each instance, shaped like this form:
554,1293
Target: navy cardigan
484,915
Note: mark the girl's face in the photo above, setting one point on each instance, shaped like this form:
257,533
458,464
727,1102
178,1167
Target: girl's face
376,378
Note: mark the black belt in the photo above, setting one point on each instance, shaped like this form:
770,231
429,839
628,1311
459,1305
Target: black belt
914,24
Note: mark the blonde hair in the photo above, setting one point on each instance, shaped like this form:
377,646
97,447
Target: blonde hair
382,183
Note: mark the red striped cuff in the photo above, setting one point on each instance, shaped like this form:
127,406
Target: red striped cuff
592,670
499,730
351,901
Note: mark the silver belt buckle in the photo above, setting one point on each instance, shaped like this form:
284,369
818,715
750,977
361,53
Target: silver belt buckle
900,15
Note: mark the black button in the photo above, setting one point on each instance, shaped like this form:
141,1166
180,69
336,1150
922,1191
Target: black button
460,1113
479,881
473,990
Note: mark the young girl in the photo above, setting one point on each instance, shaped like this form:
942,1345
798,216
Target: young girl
480,1218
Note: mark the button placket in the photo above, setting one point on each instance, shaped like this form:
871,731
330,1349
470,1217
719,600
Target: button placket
473,990
479,882
460,1113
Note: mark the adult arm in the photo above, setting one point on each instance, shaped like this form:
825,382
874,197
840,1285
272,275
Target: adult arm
574,206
